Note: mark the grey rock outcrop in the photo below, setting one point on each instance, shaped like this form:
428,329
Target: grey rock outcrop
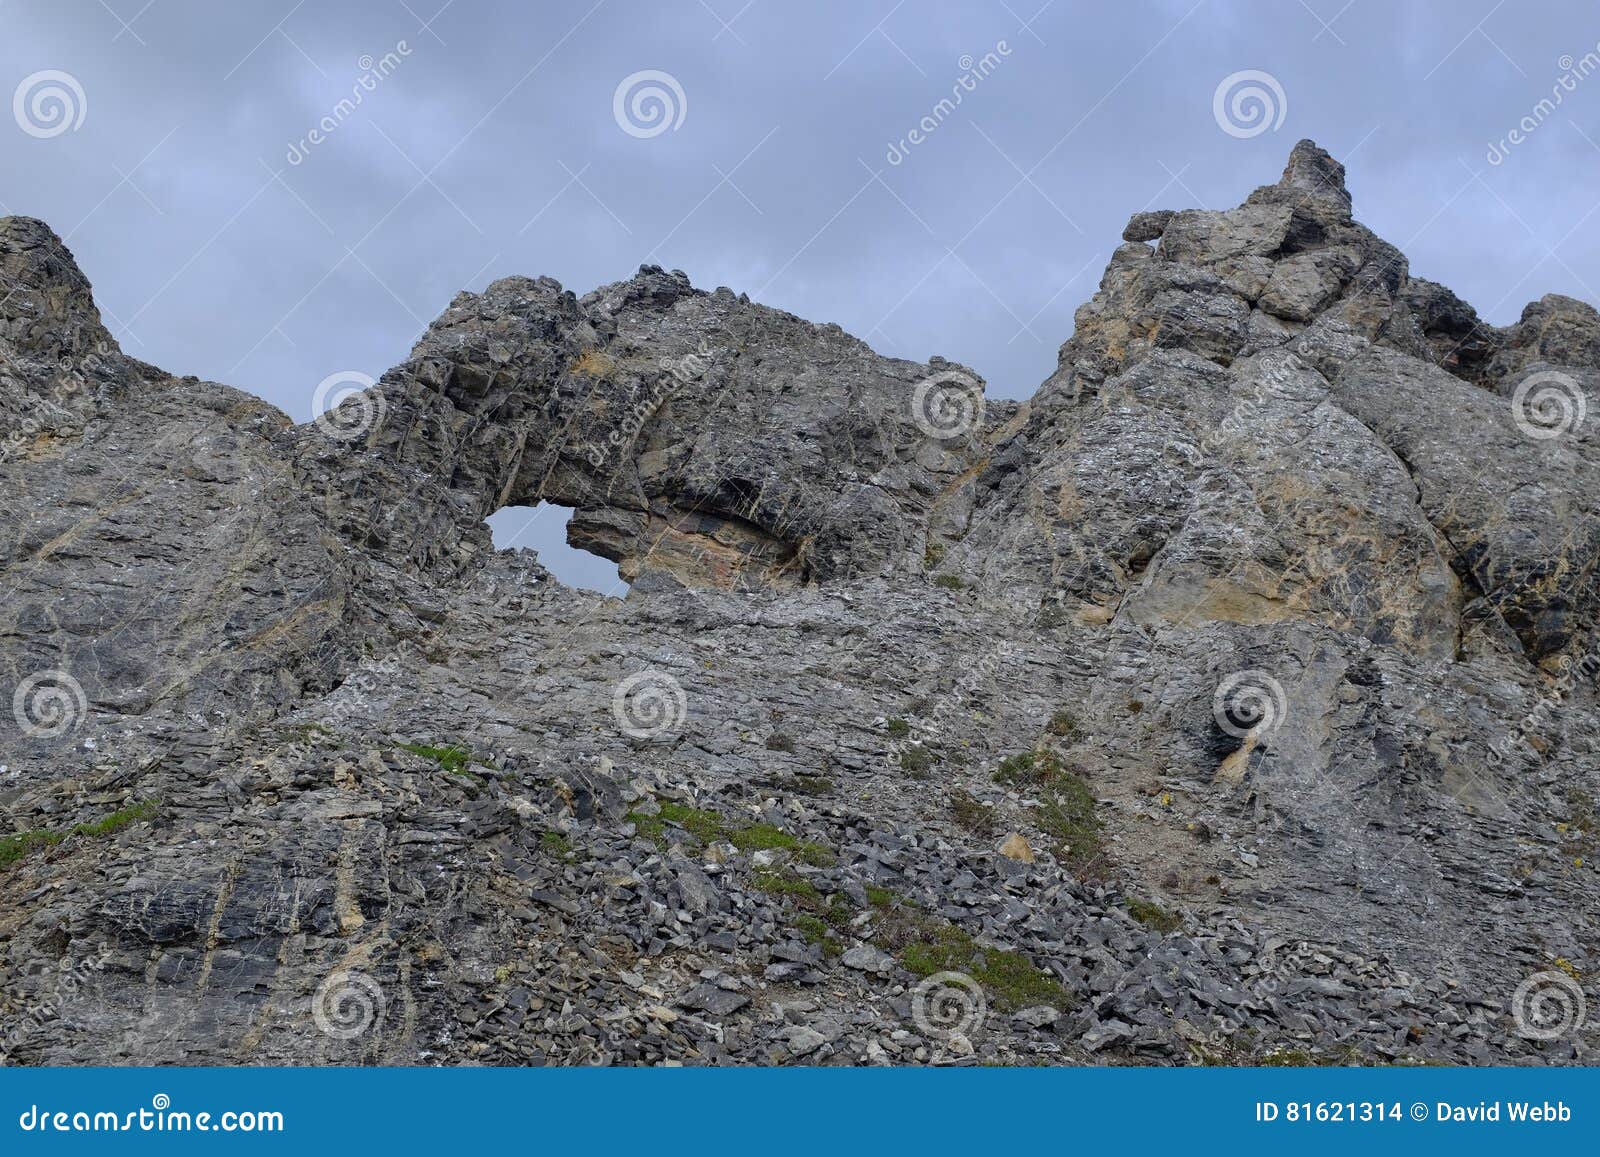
1266,626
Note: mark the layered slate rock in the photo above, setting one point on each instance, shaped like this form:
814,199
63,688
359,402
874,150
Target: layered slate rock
1265,627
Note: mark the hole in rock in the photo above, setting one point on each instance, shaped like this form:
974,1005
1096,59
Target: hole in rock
543,529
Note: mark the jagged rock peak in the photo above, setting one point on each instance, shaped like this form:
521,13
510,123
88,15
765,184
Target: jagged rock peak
1315,170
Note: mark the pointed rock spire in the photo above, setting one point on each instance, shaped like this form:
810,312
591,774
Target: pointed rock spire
1312,169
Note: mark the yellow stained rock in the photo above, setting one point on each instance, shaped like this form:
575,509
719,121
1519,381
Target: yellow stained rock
1016,848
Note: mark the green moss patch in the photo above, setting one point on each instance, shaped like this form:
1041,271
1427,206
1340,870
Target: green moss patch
926,944
760,837
815,930
881,898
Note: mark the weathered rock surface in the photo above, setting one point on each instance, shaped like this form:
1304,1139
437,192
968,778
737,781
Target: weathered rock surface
1231,699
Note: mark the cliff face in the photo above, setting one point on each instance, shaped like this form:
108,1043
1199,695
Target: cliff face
1234,695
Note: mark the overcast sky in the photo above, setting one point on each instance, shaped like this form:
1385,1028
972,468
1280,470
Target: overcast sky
222,241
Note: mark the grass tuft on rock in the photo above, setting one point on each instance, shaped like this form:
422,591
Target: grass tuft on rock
808,784
1009,978
555,843
970,813
452,758
1154,916
1063,723
14,847
1065,810
707,827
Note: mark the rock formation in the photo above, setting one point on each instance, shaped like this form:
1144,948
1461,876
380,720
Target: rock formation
1232,699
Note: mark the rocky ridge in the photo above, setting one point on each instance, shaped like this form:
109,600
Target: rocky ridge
1230,700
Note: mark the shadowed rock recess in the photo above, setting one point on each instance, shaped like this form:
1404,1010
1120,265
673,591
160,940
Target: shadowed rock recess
1231,700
